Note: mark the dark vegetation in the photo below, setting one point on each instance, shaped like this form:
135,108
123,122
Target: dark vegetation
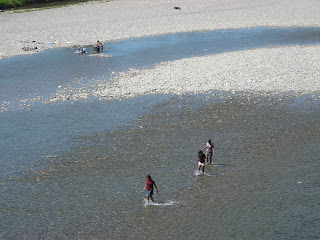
25,4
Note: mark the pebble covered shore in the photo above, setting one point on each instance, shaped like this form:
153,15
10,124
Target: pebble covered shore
278,69
273,70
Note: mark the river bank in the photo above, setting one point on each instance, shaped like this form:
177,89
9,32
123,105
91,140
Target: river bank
114,20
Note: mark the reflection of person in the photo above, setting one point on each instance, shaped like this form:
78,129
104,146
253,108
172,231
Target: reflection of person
149,185
99,46
201,160
209,151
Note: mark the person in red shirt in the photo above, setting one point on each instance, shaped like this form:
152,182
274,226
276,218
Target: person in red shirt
149,186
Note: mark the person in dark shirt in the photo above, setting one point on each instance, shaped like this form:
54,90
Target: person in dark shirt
201,160
149,186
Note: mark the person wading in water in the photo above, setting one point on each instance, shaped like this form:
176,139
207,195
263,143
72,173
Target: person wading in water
209,151
149,186
201,161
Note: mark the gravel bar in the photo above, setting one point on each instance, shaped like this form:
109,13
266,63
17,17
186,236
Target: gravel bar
277,69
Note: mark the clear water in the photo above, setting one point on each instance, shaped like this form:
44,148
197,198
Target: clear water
76,170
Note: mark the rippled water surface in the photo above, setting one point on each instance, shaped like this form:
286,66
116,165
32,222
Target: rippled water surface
76,170
263,184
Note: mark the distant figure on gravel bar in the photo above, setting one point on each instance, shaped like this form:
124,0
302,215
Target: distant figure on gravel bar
149,185
99,46
201,161
209,151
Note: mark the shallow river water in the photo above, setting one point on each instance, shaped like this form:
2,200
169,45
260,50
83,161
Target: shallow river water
76,170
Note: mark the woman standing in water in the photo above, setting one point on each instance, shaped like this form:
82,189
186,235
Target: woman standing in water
209,151
201,161
149,185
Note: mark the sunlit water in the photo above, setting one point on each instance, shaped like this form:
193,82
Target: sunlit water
76,170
